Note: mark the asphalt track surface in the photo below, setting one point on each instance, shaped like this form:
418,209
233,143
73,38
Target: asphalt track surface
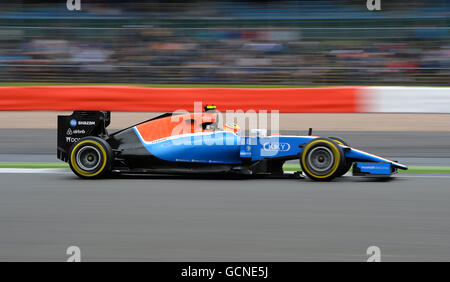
164,218
205,219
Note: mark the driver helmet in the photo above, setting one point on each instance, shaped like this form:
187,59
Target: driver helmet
232,127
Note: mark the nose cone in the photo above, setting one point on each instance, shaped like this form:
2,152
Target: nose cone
364,156
399,165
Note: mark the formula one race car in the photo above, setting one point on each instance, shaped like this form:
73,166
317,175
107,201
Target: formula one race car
196,143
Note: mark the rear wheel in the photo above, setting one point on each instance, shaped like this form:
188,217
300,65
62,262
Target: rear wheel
348,164
322,159
91,158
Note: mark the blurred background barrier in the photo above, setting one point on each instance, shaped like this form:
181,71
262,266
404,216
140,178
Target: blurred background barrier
125,98
311,43
406,100
285,100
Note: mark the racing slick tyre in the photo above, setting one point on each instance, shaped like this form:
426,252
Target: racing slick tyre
322,159
348,164
91,158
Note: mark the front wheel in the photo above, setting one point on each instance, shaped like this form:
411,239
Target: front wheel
90,158
322,159
348,164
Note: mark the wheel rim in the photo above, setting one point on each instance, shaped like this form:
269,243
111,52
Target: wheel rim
88,158
321,159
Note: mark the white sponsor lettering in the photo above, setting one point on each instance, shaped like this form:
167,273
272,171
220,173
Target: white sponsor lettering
83,122
72,140
282,147
79,131
373,167
71,132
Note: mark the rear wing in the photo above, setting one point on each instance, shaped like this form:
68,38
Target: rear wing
78,125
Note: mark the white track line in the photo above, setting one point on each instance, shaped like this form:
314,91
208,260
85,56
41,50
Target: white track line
34,170
65,171
425,175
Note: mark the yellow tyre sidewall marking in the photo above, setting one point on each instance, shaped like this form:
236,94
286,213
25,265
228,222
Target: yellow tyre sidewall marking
78,169
335,151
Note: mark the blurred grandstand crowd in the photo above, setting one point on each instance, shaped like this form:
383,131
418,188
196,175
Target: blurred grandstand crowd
228,42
